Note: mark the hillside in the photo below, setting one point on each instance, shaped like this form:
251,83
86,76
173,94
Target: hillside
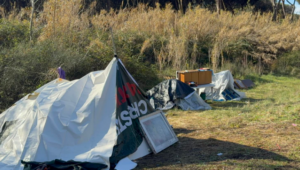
152,42
155,40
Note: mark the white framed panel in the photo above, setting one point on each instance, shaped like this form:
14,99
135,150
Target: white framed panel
158,132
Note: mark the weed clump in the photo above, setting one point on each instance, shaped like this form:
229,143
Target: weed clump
153,42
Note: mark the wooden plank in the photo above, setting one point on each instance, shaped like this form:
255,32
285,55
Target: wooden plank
195,76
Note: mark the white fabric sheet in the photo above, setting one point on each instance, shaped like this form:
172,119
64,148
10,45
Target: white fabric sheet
222,81
68,120
125,164
193,102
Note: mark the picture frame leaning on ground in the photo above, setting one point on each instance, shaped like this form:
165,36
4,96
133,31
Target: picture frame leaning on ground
240,84
158,132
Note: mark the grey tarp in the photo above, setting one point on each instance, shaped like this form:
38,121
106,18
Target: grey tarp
173,92
222,81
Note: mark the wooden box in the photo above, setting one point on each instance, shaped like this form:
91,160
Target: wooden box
199,77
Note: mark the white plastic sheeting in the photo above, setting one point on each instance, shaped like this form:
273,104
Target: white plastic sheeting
125,164
143,150
67,120
222,81
193,102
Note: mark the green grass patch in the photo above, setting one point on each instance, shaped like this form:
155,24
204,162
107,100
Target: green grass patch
259,132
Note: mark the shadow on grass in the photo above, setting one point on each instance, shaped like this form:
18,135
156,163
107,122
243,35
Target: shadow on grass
182,130
202,151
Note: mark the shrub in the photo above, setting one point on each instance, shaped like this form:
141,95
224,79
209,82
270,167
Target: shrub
147,40
288,64
13,32
25,67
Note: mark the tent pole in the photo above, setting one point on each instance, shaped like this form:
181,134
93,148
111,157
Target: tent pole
114,46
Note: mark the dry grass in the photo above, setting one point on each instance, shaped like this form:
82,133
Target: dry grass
177,39
255,133
60,18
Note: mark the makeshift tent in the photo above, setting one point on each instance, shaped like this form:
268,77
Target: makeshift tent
93,119
173,92
224,85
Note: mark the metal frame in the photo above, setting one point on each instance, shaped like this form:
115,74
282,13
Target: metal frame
163,125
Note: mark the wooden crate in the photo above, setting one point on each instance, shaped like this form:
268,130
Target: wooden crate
199,77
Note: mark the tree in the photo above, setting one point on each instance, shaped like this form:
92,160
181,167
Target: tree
283,8
98,5
31,19
275,5
218,6
263,6
293,8
230,5
34,3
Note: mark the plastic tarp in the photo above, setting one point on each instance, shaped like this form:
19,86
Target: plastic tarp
222,80
173,92
63,122
92,119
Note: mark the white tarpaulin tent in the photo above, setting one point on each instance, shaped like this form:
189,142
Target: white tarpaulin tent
169,93
92,119
222,80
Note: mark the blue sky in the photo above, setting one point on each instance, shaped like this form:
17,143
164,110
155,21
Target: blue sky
297,10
